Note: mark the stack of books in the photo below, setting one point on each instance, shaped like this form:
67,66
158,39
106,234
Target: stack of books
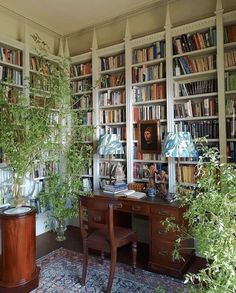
115,188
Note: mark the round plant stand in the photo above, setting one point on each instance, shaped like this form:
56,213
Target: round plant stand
18,270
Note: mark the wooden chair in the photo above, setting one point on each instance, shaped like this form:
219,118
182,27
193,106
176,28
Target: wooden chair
102,235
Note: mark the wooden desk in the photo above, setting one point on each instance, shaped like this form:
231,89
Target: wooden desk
161,243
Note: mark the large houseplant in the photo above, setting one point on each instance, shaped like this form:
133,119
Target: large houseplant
25,136
211,215
63,188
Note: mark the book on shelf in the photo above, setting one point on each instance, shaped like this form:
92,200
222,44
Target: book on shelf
131,194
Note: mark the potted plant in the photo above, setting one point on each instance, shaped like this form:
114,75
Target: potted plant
212,220
63,188
23,130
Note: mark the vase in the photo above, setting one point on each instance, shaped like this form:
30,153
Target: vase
60,228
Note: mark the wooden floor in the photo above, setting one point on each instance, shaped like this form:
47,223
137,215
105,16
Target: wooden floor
46,243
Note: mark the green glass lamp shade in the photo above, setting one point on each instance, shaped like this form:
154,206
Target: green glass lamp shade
179,145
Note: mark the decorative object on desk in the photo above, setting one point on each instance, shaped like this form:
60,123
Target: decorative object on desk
179,144
119,173
115,188
110,145
151,185
211,221
149,136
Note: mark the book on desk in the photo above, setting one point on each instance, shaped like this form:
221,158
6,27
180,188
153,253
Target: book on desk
131,194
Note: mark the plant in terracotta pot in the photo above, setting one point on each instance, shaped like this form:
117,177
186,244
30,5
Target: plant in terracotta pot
212,221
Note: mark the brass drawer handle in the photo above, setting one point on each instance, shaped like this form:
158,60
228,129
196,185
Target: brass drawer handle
162,213
118,205
163,252
97,219
162,232
136,207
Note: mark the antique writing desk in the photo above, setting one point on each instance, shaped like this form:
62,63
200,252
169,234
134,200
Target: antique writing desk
161,242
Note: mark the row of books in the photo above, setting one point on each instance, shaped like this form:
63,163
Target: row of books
87,118
154,51
205,107
209,128
112,80
230,80
231,152
112,97
42,101
197,87
13,56
84,101
196,41
113,116
106,169
147,157
120,131
81,85
149,112
230,58
187,174
11,75
77,70
44,170
230,33
145,73
187,65
230,107
40,65
112,62
151,92
230,128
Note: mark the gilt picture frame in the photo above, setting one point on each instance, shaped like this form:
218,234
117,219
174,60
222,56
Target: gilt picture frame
149,139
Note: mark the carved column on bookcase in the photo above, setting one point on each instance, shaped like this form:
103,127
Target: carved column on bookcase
26,63
170,95
95,109
220,76
129,114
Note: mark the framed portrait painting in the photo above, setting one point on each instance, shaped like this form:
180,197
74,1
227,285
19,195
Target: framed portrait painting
149,140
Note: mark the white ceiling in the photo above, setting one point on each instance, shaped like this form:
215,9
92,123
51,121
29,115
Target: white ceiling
68,16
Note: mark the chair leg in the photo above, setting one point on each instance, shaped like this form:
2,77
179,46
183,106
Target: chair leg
112,270
102,257
85,261
134,254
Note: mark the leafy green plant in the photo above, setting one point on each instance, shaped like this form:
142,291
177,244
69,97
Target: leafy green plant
211,217
62,189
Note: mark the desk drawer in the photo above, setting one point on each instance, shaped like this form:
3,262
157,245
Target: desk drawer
162,253
159,231
134,207
164,211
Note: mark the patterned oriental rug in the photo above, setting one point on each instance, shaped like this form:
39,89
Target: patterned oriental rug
61,271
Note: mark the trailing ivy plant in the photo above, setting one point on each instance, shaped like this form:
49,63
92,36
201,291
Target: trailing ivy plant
211,217
63,188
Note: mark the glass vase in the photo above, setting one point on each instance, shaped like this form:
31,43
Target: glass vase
60,228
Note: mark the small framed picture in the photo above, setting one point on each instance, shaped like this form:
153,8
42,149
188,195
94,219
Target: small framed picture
149,140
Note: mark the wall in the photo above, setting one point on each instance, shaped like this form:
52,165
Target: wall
145,22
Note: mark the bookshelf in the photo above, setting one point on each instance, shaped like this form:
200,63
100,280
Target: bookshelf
230,86
189,86
82,102
148,71
197,74
111,97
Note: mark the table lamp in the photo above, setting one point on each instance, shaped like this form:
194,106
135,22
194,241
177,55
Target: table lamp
110,145
179,145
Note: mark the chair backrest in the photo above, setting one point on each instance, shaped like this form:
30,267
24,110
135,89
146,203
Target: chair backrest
102,210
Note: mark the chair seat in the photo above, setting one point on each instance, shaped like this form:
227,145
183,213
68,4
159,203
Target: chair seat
100,238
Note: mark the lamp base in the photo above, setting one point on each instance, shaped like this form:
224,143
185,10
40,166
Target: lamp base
170,197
